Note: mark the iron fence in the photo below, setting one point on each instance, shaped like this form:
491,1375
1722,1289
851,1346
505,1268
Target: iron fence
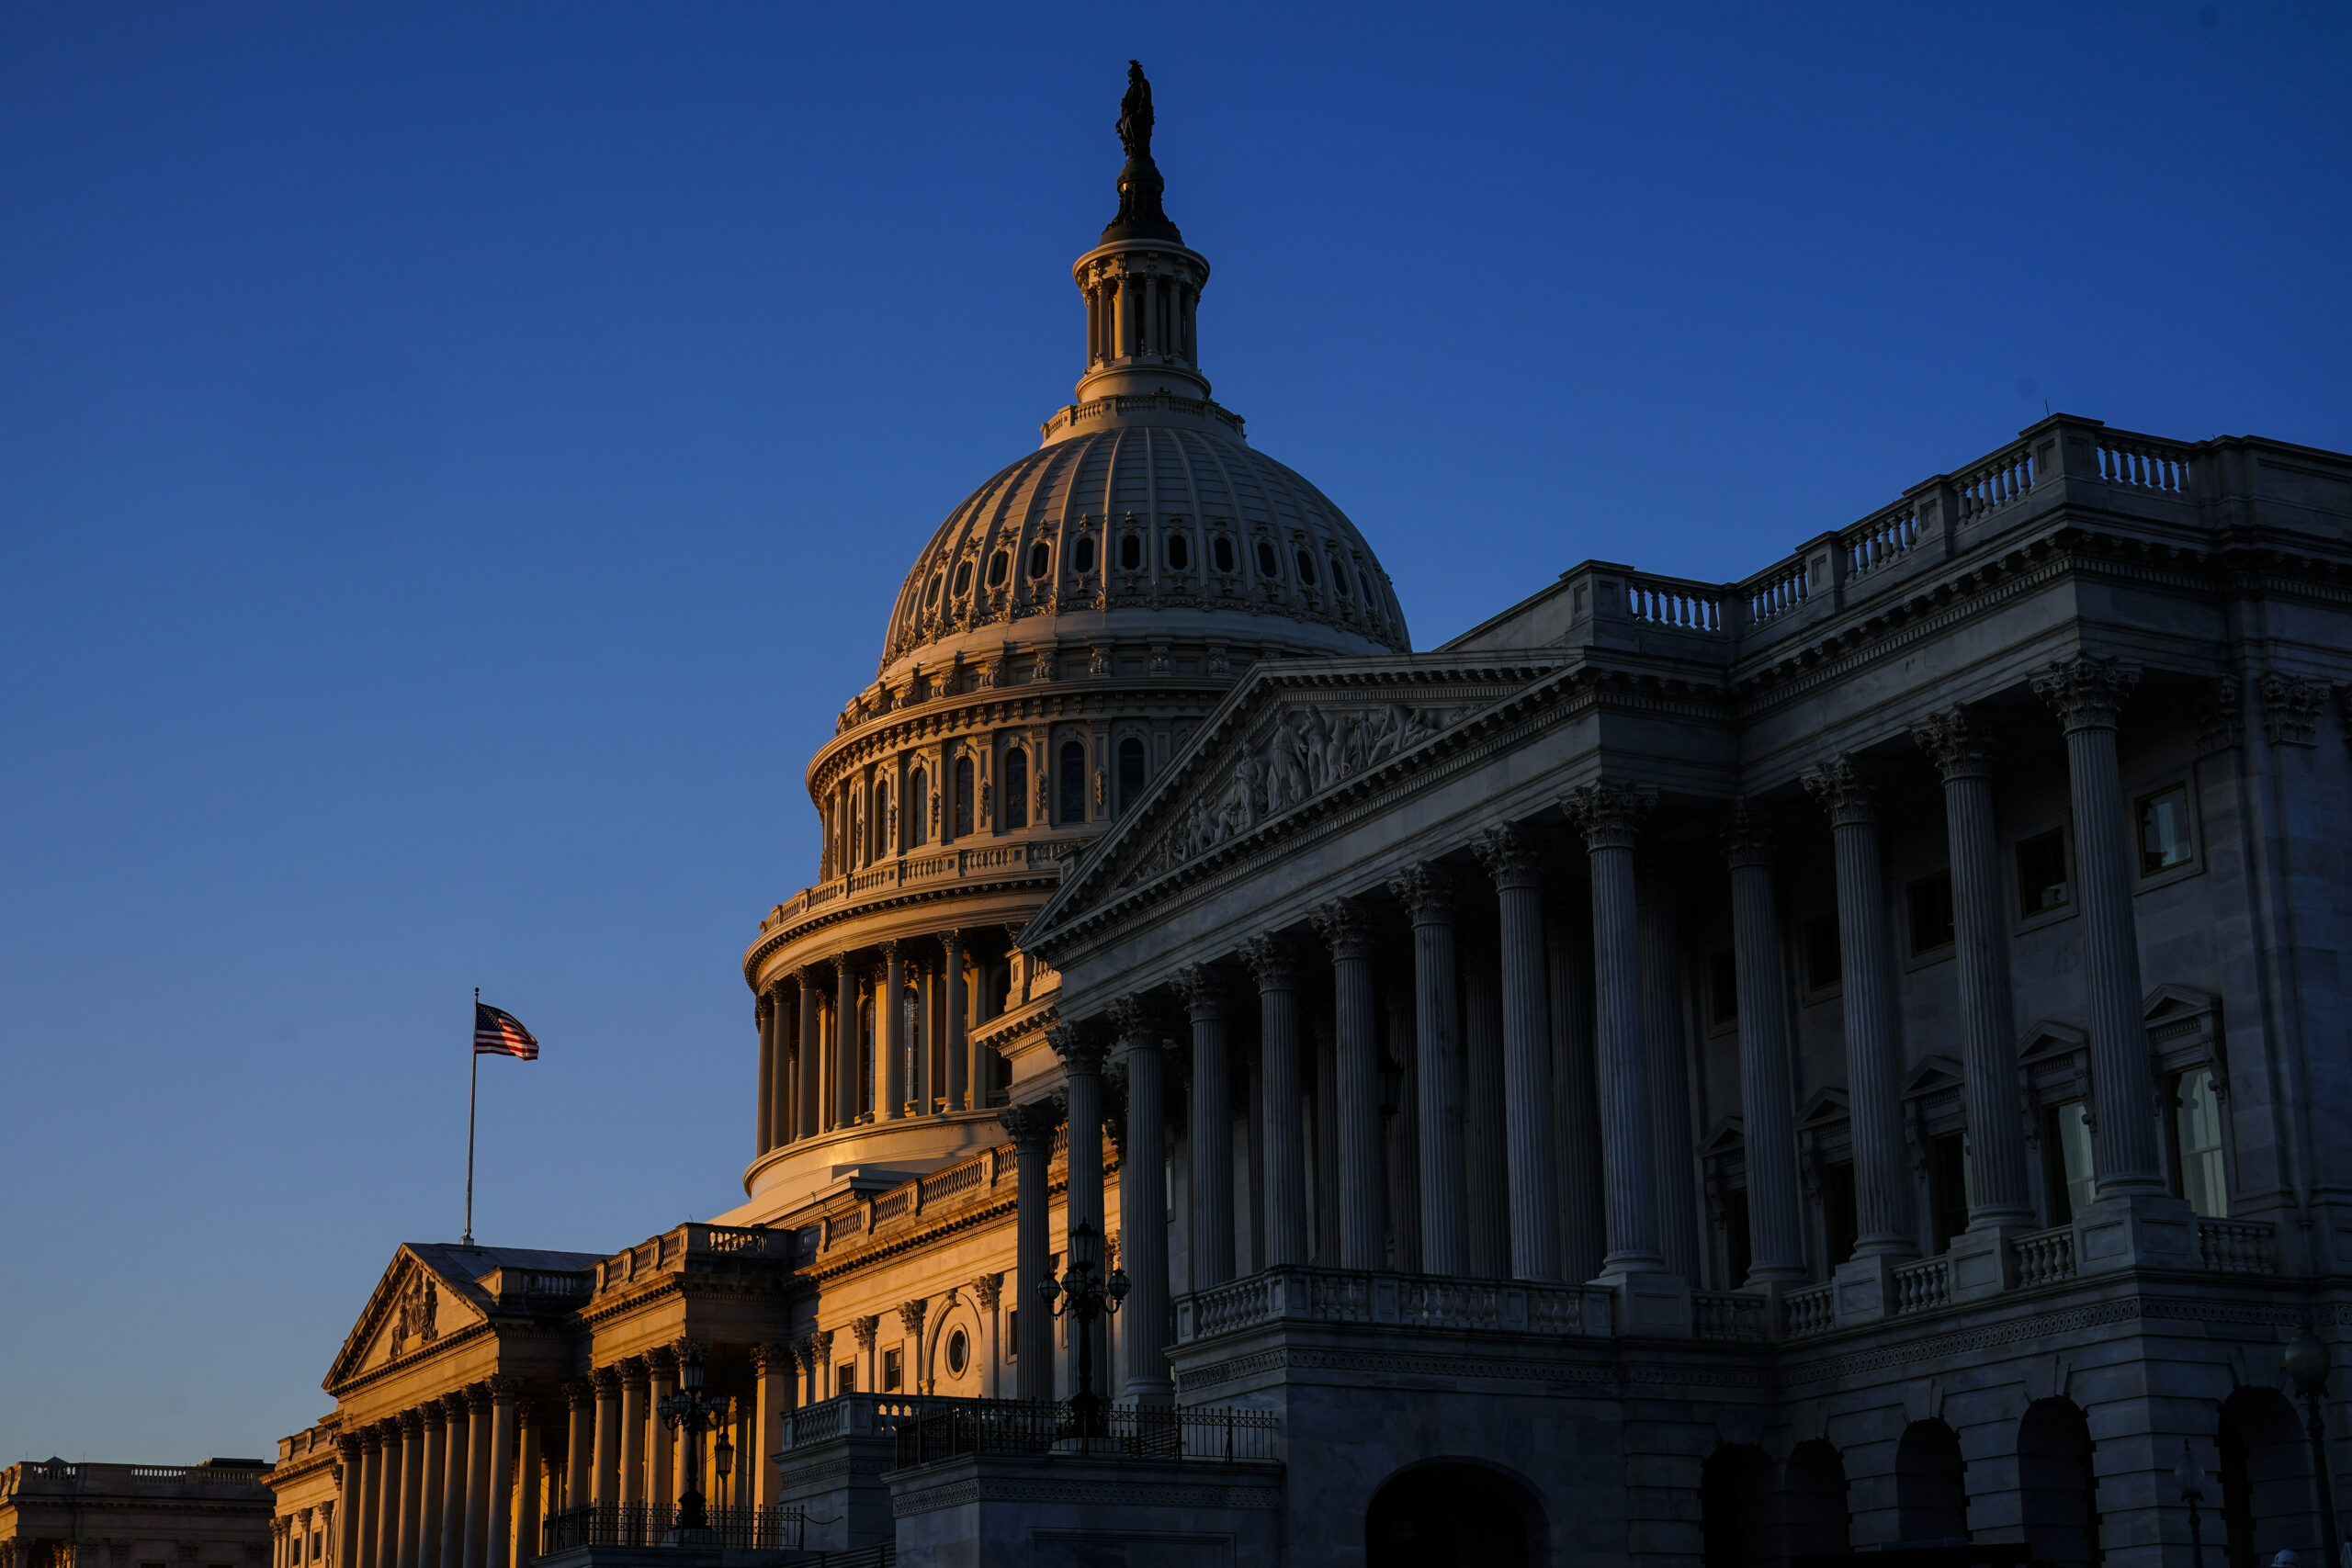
647,1524
1203,1436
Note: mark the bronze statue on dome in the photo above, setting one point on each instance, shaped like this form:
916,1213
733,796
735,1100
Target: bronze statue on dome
1140,216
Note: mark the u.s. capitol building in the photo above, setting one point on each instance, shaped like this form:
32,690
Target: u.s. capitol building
1679,1072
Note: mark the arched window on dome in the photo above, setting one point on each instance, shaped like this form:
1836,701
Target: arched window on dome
1130,552
963,796
1221,554
998,567
1131,772
1016,789
1306,569
1081,558
879,822
963,577
1269,566
918,809
1073,781
1340,579
931,598
1041,559
1180,553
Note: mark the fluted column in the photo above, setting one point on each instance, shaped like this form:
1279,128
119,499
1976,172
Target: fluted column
1404,1130
1081,1049
529,1489
960,1095
455,1465
1323,1157
772,1367
1271,961
891,1036
661,1454
763,1117
1031,1128
428,1513
478,1471
1143,1209
605,1486
1767,1086
352,1451
634,1378
1512,859
1211,1232
1662,1027
1882,1183
1346,929
782,1122
1576,1087
1963,753
387,1498
579,1448
810,1098
498,1537
846,1064
1609,816
1485,1170
411,1486
2088,692
1427,895
366,1501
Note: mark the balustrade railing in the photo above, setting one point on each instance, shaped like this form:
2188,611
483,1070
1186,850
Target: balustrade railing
1812,1310
2238,1247
1417,1301
1777,591
1995,482
2141,463
1733,1316
903,871
2045,1257
1877,540
1923,1285
776,1528
1664,601
1221,1435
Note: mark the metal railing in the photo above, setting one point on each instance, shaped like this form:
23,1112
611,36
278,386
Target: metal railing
946,1429
774,1528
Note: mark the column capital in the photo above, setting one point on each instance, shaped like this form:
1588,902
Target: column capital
1512,856
607,1380
1749,837
1272,961
2290,706
1031,1124
866,1328
477,1397
768,1358
2087,690
1608,816
579,1392
911,1314
635,1372
951,943
682,1349
412,1423
888,949
1958,742
1345,927
371,1438
1426,890
1203,990
1080,1047
986,1289
761,1006
1844,788
821,1342
662,1361
1135,1021
453,1406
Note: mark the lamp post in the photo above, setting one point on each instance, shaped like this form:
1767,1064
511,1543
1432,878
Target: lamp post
1083,1298
691,1412
2191,1480
2306,1363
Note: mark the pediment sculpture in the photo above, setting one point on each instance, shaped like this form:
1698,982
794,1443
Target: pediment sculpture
1304,751
412,1316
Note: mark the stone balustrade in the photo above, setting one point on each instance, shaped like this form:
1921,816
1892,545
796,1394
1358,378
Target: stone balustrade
2238,1247
1923,1286
2044,1258
1812,1310
1737,1317
1296,1293
920,869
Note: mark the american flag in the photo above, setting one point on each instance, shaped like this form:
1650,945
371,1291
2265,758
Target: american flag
501,1033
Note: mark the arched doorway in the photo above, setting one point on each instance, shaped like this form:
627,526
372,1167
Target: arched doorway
2268,1505
1813,1499
2058,1489
1452,1514
1735,1508
1930,1486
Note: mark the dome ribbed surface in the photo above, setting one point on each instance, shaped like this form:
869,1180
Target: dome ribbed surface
1144,516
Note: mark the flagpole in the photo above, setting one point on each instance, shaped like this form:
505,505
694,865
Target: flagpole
473,1087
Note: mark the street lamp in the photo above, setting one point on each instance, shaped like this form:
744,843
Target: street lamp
2191,1480
2306,1363
1083,1298
691,1412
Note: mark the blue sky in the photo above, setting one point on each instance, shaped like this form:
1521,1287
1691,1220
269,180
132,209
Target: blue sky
455,462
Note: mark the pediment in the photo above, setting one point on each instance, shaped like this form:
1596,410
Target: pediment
415,1306
1826,1108
1729,1137
2049,1040
1293,739
1932,1074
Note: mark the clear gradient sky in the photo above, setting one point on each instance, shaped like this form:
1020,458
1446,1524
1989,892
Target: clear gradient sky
454,463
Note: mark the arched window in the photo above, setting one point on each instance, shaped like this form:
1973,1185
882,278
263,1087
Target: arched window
1073,782
1180,553
1130,552
1735,1506
998,567
1082,555
1041,559
963,796
2267,1494
1813,1499
918,809
932,597
1016,789
1339,577
1930,1485
878,823
2058,1491
1221,552
1451,1512
1269,565
1306,568
963,577
1131,772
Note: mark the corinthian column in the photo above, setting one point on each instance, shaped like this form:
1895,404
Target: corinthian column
809,1099
412,1492
1345,929
1512,859
2088,694
578,1453
634,1378
387,1498
606,1488
1486,1173
661,1454
1271,961
889,1036
1143,1208
1609,816
1211,1241
456,1466
348,1552
1576,1087
1767,1087
1428,897
1031,1128
782,1116
763,1112
365,1501
1963,756
498,1535
961,1094
478,1471
1678,1189
1881,1194
428,1516
846,1071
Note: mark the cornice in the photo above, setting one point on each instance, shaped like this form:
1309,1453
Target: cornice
783,935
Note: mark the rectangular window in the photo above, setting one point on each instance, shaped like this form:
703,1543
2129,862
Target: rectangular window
1930,902
2164,830
2042,873
894,1366
1740,1248
2066,1160
846,1378
1838,1215
1723,992
294,1549
1013,1333
1947,1185
1821,962
2197,1143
